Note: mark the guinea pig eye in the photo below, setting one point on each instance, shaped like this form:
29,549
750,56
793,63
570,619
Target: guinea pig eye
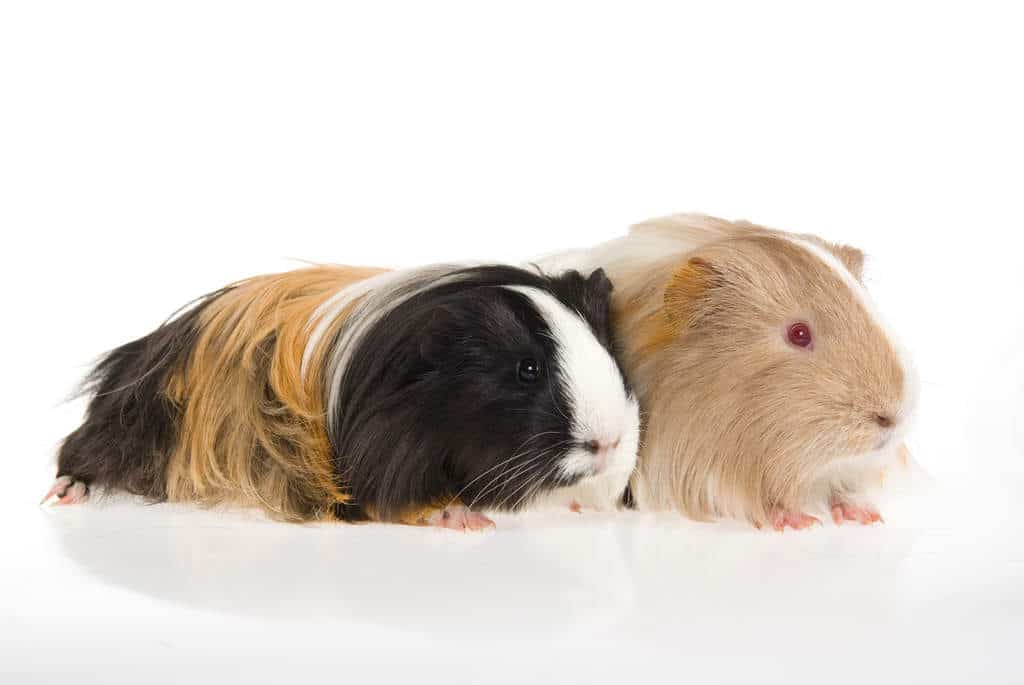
799,334
528,370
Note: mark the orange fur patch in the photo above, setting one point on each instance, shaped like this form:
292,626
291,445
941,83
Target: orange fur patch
253,430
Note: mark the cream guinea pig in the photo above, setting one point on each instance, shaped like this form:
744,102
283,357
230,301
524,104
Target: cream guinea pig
770,386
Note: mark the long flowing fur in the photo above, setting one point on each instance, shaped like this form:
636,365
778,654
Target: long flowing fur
212,408
359,393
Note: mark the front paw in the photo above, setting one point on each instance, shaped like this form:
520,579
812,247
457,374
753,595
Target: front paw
459,517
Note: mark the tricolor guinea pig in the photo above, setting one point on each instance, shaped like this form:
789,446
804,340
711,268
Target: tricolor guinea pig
771,388
418,396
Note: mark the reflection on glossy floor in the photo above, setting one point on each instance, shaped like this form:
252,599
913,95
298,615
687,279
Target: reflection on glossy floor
171,593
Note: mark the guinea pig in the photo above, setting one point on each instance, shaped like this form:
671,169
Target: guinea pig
418,396
770,385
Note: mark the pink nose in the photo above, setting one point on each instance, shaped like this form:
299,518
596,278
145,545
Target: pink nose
600,449
598,446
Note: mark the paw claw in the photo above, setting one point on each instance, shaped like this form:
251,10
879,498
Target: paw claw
67,490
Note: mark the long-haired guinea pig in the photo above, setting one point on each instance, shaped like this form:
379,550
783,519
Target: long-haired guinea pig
770,386
415,396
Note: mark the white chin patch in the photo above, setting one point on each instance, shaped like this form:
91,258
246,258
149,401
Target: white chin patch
577,463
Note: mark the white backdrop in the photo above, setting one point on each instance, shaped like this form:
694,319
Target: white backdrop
150,152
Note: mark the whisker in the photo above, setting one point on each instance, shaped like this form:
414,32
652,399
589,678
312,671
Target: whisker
497,477
515,453
533,471
509,476
506,476
531,492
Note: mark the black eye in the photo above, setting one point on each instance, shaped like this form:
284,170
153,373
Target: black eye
528,370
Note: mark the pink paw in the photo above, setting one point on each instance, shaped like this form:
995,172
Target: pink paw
793,519
67,490
458,517
576,507
843,511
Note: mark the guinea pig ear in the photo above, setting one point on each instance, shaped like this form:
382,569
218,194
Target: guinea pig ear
851,257
599,283
590,296
848,256
597,302
685,295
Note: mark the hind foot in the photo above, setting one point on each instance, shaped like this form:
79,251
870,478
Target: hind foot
459,517
844,511
67,490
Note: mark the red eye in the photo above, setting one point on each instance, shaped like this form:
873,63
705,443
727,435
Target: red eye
799,334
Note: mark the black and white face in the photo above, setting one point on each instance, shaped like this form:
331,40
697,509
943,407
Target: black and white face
495,392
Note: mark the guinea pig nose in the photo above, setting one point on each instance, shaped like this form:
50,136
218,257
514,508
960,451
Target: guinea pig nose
595,446
883,420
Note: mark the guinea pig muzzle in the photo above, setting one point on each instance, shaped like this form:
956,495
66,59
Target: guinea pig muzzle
600,451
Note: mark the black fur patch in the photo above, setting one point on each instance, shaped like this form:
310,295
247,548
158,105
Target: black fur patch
628,500
590,297
430,404
131,426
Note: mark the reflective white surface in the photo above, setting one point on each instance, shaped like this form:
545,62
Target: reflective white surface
167,593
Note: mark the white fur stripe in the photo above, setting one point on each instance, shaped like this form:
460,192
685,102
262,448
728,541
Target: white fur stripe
378,299
332,308
600,407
